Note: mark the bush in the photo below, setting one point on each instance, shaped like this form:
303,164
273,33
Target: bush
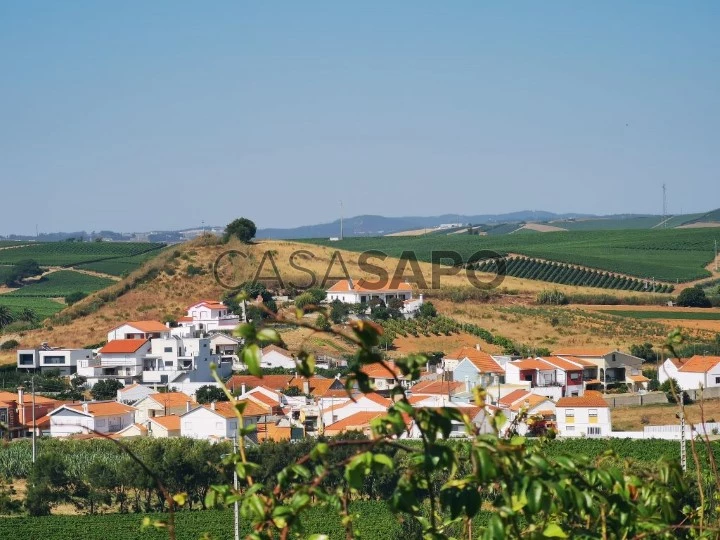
693,297
72,298
427,310
554,297
9,345
305,300
193,270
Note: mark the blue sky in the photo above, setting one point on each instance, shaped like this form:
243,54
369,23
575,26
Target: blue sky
156,115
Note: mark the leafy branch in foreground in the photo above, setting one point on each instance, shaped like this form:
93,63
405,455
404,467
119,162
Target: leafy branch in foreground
533,495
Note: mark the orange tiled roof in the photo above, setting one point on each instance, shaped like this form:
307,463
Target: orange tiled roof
532,363
171,422
273,382
275,348
357,421
584,351
27,398
638,378
533,400
120,346
103,408
171,399
577,360
513,396
699,364
145,326
590,399
562,363
481,360
227,409
379,371
369,287
212,304
436,387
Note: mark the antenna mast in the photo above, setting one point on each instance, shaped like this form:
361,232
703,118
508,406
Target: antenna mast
341,220
664,206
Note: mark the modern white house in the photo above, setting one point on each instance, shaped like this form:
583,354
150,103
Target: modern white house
120,359
48,358
217,421
692,373
350,292
207,316
100,416
583,416
176,360
138,330
273,356
613,366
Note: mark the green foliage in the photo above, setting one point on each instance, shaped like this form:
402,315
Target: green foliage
107,389
339,312
9,345
13,276
76,296
693,297
209,393
554,297
74,253
427,310
644,351
6,316
42,307
304,300
322,323
63,283
242,228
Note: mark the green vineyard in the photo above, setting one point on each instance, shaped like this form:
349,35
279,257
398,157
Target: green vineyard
42,307
63,283
566,274
74,253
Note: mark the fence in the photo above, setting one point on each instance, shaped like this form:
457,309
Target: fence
669,432
635,400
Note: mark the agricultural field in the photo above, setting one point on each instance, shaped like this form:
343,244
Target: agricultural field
669,255
42,307
634,222
62,283
74,253
526,268
121,266
665,314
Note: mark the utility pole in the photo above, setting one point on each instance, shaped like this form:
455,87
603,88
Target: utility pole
341,220
683,449
32,390
716,257
664,207
236,508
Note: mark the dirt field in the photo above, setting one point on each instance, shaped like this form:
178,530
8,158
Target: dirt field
539,227
631,418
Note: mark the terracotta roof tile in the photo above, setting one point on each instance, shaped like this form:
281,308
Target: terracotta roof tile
123,346
533,363
436,387
369,287
171,422
145,326
513,396
275,348
531,401
171,399
103,408
563,363
699,364
577,360
358,421
590,399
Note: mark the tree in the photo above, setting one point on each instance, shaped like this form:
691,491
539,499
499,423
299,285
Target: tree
6,316
427,310
248,293
693,297
75,297
242,228
107,389
339,312
27,315
304,300
322,323
21,270
209,393
644,351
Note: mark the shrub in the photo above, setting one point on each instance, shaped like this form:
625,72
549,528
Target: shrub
693,297
554,297
9,345
71,298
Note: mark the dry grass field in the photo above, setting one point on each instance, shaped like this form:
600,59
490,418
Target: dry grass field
632,418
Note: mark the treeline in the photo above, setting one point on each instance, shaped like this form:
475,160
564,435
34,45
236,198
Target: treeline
566,274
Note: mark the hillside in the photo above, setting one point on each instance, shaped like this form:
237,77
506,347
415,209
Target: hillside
180,275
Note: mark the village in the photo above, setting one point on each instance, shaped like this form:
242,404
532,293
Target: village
163,368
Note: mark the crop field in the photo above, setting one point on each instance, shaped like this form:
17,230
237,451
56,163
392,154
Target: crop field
74,253
62,283
677,315
121,266
43,307
636,222
524,267
666,254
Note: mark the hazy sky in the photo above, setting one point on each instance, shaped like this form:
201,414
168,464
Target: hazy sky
140,115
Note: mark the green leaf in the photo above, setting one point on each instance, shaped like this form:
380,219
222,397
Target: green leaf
268,335
251,358
553,530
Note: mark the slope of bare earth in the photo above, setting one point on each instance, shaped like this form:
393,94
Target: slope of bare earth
542,227
183,274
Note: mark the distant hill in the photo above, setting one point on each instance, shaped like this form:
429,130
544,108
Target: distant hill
369,225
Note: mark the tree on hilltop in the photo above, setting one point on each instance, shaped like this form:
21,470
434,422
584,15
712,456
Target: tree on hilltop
242,228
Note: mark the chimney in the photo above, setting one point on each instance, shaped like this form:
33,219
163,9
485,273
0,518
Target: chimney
427,366
467,383
477,346
187,406
212,406
243,389
21,404
306,387
420,298
85,407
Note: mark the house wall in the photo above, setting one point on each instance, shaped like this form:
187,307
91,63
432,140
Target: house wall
363,404
202,423
67,422
67,365
468,369
581,421
134,394
275,359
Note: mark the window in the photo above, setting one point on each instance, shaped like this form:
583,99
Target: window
569,415
574,376
168,349
717,379
570,428
593,416
593,431
53,360
592,412
29,360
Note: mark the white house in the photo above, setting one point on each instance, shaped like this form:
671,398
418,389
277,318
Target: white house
613,367
273,356
383,378
350,292
363,403
162,404
163,427
138,330
52,359
100,416
217,421
120,359
693,372
133,392
177,360
538,407
583,416
207,316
